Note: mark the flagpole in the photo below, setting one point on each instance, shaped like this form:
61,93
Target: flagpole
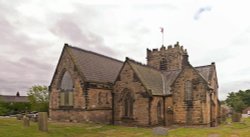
162,33
163,37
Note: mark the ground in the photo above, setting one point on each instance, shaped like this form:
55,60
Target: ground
10,127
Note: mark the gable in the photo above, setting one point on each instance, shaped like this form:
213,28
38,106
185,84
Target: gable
190,73
208,72
151,78
65,63
90,66
95,67
170,77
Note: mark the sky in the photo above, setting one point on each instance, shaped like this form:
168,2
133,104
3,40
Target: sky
33,32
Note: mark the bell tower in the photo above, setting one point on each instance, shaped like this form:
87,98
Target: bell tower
166,59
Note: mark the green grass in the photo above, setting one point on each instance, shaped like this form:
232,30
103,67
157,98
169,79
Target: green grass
10,127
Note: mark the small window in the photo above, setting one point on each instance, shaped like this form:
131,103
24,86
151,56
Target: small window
99,98
107,98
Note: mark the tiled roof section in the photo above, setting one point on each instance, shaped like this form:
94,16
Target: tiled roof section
94,66
205,71
170,76
5,98
151,78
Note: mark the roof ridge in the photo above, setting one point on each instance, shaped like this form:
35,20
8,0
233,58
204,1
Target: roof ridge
92,52
137,62
141,64
203,66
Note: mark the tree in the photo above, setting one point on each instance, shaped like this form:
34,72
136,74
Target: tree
239,100
3,109
39,98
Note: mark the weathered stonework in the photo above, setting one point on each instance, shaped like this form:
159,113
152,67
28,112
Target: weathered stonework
85,105
140,101
167,91
171,55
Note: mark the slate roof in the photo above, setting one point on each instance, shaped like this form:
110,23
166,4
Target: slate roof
6,98
99,68
159,82
205,72
170,76
95,67
151,78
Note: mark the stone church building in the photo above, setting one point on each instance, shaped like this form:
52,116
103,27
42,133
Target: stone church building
168,90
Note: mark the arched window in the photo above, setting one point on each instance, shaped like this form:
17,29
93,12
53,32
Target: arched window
188,90
163,64
66,87
159,112
67,82
128,105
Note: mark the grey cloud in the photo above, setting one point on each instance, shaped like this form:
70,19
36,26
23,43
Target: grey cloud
78,33
22,74
200,11
22,59
27,64
15,41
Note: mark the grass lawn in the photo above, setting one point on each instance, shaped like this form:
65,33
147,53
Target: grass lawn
10,127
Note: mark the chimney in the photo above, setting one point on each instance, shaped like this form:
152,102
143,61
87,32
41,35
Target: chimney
185,61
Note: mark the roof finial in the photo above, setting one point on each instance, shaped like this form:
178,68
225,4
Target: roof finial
66,44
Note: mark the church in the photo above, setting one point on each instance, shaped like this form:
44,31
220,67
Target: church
168,90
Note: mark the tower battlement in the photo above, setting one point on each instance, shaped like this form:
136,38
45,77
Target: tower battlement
169,58
175,47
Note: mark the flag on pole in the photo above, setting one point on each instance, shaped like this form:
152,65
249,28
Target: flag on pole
162,29
162,32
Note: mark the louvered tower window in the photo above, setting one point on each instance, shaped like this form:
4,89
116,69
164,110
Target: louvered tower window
163,64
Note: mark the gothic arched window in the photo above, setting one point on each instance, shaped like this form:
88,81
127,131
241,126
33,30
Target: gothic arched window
159,112
163,64
67,82
128,105
188,90
66,87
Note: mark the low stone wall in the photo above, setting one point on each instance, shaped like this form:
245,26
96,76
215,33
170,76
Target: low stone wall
96,116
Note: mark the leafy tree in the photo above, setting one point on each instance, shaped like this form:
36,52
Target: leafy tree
3,109
39,98
239,100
